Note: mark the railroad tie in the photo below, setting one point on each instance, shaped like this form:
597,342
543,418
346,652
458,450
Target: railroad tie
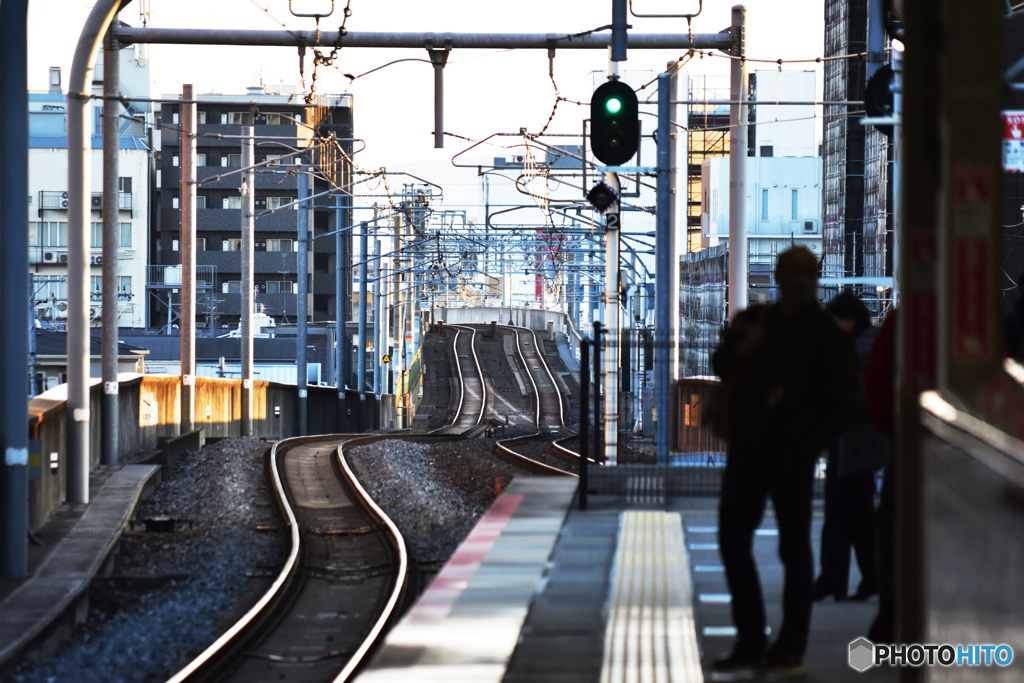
650,634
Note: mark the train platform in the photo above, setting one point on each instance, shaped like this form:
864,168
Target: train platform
73,547
630,589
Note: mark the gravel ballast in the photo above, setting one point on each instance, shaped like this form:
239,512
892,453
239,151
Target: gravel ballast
171,594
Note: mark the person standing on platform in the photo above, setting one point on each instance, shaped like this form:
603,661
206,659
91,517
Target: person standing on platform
854,460
788,387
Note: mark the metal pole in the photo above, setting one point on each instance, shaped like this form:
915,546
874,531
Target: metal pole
584,421
612,316
598,440
302,307
479,41
339,308
378,324
79,149
738,166
14,280
667,280
188,259
248,297
620,36
344,259
363,291
108,345
438,57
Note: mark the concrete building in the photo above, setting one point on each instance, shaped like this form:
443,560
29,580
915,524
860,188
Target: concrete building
281,127
48,205
783,179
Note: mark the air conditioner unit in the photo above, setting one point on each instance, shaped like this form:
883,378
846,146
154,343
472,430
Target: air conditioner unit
97,202
96,260
94,312
62,258
49,257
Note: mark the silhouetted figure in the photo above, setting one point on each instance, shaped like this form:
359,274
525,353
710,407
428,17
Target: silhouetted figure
879,388
853,463
788,377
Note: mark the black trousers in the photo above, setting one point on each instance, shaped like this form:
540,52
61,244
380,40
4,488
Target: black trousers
849,522
750,478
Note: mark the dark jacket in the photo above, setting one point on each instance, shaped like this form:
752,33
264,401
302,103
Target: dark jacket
789,382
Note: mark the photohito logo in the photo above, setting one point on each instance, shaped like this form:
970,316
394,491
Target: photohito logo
863,654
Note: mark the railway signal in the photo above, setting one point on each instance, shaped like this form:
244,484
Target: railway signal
614,123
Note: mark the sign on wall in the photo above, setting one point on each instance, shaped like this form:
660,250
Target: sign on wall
1013,141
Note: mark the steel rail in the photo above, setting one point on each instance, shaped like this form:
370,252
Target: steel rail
214,662
501,445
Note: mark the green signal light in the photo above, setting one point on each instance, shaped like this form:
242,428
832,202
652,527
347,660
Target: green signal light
613,105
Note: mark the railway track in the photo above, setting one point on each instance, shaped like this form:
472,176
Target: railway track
472,404
548,416
342,583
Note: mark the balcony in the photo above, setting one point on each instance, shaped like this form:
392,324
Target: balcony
58,201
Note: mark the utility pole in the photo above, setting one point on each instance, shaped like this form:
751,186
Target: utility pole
612,316
363,291
108,344
188,258
14,278
666,311
302,264
738,165
248,297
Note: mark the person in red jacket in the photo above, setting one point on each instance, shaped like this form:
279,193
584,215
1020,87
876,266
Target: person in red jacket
879,391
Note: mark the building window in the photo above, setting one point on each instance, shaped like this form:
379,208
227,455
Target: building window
233,202
200,244
48,234
278,202
239,118
795,205
764,205
125,235
49,288
200,201
96,235
95,288
275,120
279,287
232,160
767,150
232,287
124,286
279,245
232,245
200,159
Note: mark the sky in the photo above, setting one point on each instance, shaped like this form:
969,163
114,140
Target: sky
486,91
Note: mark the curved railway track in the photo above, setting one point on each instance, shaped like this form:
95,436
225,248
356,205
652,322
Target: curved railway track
549,412
348,569
341,584
472,405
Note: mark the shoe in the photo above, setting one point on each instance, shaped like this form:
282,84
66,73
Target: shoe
782,664
742,664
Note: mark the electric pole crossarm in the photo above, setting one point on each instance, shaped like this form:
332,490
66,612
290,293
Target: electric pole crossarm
480,41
